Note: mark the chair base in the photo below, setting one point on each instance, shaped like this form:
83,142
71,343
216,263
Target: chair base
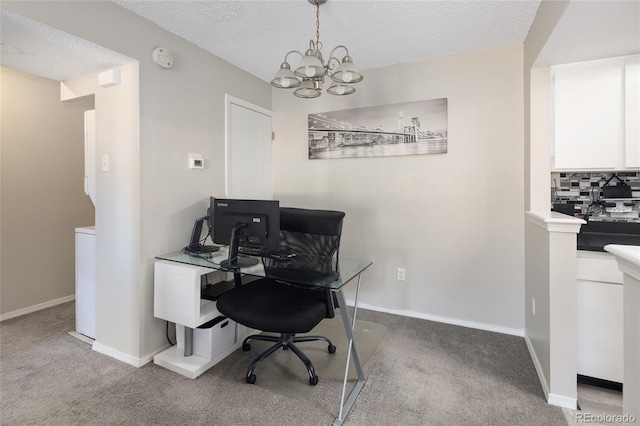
284,341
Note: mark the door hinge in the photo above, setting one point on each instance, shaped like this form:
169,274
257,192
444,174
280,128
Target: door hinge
273,136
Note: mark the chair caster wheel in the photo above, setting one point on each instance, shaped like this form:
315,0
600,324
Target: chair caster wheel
251,379
246,347
332,349
313,380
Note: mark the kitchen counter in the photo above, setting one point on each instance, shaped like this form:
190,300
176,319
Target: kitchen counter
628,258
628,255
594,236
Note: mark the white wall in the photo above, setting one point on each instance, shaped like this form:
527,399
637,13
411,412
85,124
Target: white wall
43,201
537,97
537,248
544,279
454,221
538,326
117,208
181,111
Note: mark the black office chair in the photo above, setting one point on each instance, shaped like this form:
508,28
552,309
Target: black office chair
275,305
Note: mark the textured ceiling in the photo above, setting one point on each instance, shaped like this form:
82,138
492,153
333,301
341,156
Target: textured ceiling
48,52
255,35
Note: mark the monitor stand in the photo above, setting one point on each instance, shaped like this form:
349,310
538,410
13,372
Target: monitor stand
236,260
239,262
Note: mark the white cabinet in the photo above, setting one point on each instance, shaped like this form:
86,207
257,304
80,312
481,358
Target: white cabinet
632,111
86,281
600,317
595,115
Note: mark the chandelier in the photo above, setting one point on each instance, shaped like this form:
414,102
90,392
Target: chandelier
308,77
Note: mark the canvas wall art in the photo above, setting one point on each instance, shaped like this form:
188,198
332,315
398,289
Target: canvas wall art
409,128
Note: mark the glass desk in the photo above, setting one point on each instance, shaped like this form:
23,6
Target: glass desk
348,269
177,299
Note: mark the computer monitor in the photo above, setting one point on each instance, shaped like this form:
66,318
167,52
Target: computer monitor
237,223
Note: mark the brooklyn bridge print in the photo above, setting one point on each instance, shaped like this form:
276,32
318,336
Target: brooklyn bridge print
410,128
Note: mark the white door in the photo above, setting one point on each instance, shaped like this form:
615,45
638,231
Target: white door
248,150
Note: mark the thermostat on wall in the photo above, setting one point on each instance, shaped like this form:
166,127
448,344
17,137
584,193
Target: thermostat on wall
196,161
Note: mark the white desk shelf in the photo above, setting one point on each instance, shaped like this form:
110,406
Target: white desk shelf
177,299
177,294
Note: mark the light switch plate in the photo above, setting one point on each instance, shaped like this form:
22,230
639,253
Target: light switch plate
105,162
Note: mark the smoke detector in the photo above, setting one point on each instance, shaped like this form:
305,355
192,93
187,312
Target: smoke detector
163,57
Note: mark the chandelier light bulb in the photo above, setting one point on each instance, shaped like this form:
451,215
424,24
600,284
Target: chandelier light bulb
285,83
339,89
347,77
309,71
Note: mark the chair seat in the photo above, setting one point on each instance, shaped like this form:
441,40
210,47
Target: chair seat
273,306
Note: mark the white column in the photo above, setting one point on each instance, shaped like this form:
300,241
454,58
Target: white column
551,327
628,258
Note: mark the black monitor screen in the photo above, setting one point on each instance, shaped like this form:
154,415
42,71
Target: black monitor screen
238,223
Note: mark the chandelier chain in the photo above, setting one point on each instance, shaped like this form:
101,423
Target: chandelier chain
317,25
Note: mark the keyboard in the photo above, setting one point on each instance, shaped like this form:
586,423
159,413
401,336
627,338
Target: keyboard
262,252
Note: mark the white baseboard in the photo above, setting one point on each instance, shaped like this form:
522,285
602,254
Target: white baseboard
121,356
82,337
37,307
563,401
552,399
445,320
538,367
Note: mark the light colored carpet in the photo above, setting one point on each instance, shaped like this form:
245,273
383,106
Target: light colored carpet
284,373
421,373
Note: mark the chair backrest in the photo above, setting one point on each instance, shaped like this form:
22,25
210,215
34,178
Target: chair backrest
315,236
312,232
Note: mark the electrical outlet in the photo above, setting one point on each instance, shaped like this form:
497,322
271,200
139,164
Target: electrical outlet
400,272
533,305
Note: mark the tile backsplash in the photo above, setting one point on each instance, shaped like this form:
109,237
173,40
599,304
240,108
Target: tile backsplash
584,191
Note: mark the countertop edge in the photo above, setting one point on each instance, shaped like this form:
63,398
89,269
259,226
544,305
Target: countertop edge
554,221
628,258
